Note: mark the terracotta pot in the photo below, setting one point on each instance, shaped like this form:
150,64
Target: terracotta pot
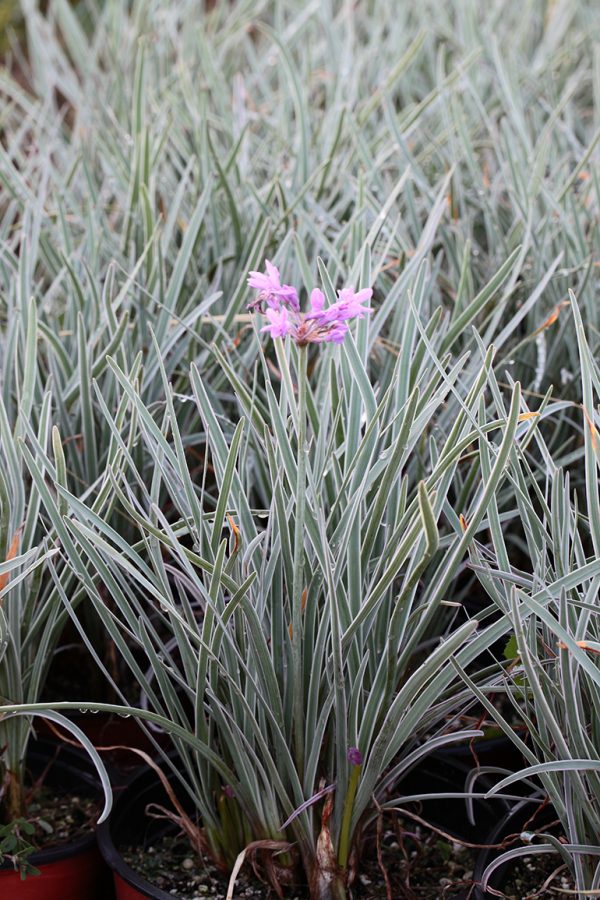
73,871
126,891
128,824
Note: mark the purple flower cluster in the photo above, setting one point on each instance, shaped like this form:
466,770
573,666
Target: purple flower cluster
355,756
279,303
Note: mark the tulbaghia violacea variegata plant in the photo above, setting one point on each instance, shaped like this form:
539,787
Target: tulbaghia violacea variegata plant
101,222
553,677
32,615
294,604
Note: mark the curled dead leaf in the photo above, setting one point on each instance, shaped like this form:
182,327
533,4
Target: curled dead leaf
252,848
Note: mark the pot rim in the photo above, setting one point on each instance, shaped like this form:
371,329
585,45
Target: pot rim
49,855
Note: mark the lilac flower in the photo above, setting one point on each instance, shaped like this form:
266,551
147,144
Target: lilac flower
270,290
320,324
279,322
317,302
355,756
348,306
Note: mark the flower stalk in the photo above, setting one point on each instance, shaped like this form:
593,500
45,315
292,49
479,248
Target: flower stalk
298,570
280,305
355,758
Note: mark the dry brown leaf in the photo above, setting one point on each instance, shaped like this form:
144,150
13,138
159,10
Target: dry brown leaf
12,552
236,534
592,428
551,318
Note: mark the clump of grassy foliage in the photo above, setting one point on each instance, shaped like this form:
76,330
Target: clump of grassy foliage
149,158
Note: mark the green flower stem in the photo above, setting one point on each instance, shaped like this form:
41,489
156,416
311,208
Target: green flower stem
344,845
298,575
228,839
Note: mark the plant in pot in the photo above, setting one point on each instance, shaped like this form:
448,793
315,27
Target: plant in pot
295,619
32,617
553,677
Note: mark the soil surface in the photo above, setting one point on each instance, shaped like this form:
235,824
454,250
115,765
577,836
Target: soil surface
538,876
408,864
59,819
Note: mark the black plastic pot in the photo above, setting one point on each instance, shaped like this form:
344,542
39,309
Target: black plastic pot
512,823
496,751
110,730
70,871
443,772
